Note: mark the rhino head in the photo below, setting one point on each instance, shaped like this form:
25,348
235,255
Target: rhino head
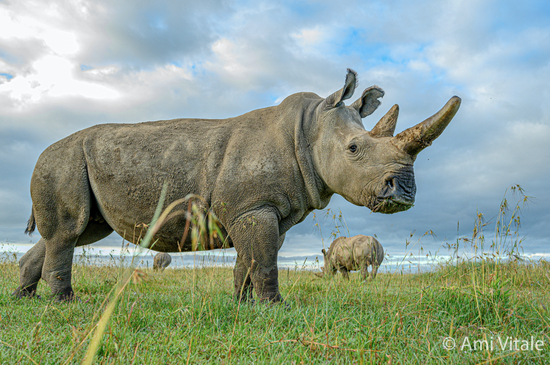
328,268
371,168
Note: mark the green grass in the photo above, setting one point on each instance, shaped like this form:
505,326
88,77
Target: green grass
128,315
189,316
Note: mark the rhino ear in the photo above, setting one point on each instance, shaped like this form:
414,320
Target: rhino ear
368,102
344,93
324,252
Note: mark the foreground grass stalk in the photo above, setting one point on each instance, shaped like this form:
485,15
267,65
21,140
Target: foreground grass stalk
128,274
189,352
102,324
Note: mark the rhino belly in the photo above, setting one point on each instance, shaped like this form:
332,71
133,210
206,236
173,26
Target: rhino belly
131,219
129,209
127,172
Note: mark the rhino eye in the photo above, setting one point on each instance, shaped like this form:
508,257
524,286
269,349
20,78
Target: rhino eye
353,148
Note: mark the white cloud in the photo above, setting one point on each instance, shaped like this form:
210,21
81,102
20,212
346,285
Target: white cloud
53,76
230,58
309,37
60,42
10,28
308,41
419,66
154,60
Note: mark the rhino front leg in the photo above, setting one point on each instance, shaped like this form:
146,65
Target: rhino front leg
243,283
256,240
30,270
344,272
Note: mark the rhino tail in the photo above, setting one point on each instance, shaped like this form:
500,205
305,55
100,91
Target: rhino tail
31,224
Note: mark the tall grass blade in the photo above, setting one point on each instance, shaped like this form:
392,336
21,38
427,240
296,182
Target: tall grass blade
102,324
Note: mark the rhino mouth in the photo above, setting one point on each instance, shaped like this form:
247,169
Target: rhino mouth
392,205
398,192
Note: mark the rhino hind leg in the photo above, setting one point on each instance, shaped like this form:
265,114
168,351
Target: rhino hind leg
62,205
96,229
30,270
374,270
57,268
32,263
364,271
58,263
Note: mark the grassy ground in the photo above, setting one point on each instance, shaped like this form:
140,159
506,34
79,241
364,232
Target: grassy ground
483,310
189,316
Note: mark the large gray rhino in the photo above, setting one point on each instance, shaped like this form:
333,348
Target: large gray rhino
260,173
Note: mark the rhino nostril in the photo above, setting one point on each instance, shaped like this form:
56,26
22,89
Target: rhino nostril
391,183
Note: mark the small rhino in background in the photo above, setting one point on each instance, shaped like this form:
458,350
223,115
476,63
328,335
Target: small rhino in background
353,253
161,261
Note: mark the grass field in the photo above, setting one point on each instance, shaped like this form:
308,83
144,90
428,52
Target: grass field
484,310
189,316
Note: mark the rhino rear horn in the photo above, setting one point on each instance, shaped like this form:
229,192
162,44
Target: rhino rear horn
344,93
386,125
415,139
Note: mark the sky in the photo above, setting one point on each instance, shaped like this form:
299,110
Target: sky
65,66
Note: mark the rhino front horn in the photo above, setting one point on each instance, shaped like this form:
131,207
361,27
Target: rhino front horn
415,139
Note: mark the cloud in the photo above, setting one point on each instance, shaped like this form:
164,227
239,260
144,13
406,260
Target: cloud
52,76
68,66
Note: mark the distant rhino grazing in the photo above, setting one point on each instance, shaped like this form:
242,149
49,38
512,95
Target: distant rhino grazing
161,261
353,253
260,173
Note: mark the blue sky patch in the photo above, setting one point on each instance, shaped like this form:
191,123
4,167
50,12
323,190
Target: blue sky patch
6,75
157,21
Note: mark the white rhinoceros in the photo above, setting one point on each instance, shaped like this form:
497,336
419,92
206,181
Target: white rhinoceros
260,173
353,253
161,261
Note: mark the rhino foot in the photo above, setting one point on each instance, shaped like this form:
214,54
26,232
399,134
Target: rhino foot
26,293
275,299
268,302
282,303
66,297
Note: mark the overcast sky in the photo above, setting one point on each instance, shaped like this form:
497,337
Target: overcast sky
68,65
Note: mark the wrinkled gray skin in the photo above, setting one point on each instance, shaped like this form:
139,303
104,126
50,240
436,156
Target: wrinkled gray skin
260,173
353,253
161,261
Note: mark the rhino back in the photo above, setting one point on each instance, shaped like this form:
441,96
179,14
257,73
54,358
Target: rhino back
368,248
379,251
342,253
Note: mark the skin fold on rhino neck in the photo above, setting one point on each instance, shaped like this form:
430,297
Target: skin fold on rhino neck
317,191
